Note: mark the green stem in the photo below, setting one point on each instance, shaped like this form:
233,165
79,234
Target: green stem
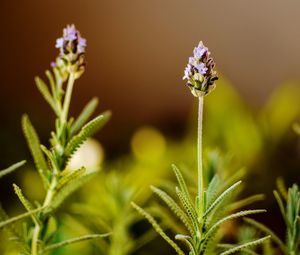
199,150
51,190
67,100
35,238
37,228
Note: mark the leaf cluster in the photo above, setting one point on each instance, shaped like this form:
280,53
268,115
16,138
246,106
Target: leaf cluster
202,228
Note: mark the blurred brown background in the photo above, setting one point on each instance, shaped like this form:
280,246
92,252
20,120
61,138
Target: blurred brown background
137,51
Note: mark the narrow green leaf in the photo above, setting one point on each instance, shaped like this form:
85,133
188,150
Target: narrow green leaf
231,217
245,245
51,81
158,229
34,146
174,207
25,203
244,202
42,87
88,130
20,217
11,168
182,183
267,231
280,204
70,177
187,240
84,116
245,250
190,210
221,197
74,240
212,190
282,188
68,189
51,160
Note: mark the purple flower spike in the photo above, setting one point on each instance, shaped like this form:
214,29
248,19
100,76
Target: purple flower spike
200,73
72,48
71,42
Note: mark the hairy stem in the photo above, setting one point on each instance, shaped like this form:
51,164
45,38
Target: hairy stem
67,100
50,193
35,238
37,228
199,151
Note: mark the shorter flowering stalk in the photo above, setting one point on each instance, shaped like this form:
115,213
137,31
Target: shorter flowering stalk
52,163
70,66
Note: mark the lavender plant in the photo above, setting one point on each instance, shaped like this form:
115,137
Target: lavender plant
289,205
288,201
38,236
203,217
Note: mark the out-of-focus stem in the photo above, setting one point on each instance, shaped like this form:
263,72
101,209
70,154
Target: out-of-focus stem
35,238
37,228
67,100
199,149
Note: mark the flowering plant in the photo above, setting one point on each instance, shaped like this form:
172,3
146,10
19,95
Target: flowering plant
203,217
52,163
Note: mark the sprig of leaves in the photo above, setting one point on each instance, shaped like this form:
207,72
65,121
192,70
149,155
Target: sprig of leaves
202,229
290,209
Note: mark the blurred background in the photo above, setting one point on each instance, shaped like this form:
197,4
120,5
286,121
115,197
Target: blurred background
137,51
136,54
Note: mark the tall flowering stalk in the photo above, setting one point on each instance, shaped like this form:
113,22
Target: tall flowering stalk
201,76
69,135
211,208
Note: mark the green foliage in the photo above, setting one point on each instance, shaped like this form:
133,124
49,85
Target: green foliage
66,190
204,217
73,240
158,229
84,116
51,163
244,247
290,210
203,228
86,131
35,149
199,218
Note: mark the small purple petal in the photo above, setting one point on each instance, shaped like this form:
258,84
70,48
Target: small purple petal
187,72
202,68
200,50
81,44
70,33
59,43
